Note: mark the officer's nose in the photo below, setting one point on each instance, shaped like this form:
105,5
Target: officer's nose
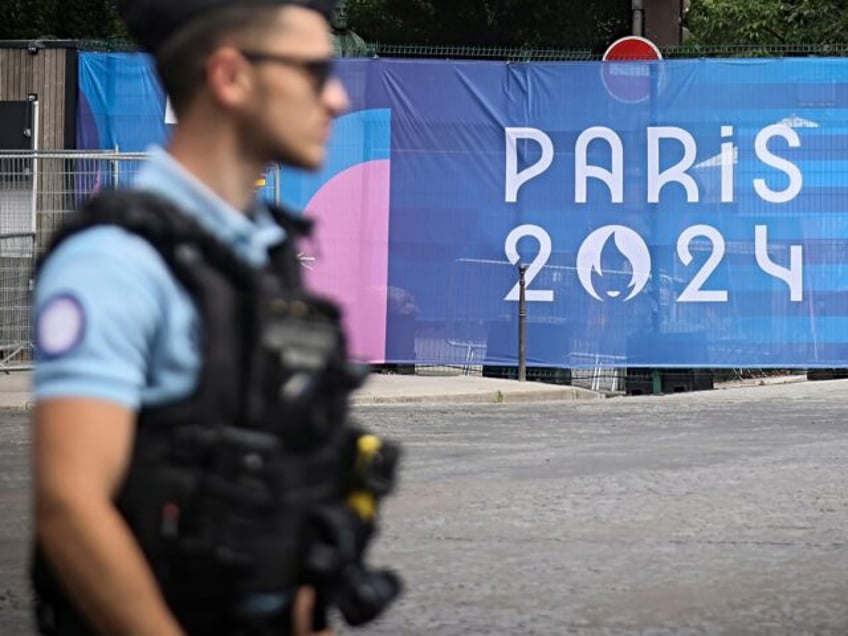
334,97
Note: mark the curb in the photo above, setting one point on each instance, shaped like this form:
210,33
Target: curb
564,394
25,403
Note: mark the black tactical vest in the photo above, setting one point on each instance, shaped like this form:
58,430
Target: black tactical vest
227,487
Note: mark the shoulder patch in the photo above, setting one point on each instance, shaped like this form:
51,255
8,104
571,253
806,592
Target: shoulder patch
59,326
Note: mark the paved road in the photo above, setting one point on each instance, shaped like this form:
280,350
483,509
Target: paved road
713,513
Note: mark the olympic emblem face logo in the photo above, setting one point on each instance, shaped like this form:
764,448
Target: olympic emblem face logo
632,247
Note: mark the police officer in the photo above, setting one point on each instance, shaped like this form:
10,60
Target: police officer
118,334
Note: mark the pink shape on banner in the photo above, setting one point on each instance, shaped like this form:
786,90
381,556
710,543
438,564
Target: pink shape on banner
350,246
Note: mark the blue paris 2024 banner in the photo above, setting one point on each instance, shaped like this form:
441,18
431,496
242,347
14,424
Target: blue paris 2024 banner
679,213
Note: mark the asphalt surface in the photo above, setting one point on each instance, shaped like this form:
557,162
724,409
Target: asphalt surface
722,512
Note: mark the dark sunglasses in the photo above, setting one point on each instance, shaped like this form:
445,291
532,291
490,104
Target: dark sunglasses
319,71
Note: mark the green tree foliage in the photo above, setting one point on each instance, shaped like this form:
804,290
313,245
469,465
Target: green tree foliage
64,19
590,24
768,22
20,19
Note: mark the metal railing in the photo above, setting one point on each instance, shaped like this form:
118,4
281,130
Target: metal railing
375,49
37,190
17,260
503,53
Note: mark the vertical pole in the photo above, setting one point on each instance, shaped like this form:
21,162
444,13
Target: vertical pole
115,179
522,323
277,174
638,8
35,144
657,318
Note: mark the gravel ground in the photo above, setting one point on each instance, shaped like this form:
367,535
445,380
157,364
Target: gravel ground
722,512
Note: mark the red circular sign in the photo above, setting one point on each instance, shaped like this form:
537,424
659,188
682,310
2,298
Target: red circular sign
625,78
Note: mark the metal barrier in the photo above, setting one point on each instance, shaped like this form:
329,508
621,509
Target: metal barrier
511,54
17,259
37,189
504,53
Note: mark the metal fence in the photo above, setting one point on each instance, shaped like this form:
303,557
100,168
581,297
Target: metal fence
17,257
456,52
470,328
37,190
350,45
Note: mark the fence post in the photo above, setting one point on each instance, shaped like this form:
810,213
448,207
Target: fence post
115,164
277,174
656,381
638,11
34,133
522,324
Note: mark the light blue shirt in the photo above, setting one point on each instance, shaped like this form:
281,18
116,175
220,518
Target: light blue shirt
111,322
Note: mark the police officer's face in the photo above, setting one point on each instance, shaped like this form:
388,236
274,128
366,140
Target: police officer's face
293,93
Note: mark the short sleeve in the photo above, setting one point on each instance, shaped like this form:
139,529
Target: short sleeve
97,309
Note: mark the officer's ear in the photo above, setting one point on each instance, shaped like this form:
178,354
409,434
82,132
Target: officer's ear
229,77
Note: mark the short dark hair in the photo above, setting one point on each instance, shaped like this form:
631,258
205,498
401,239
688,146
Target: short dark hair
181,60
